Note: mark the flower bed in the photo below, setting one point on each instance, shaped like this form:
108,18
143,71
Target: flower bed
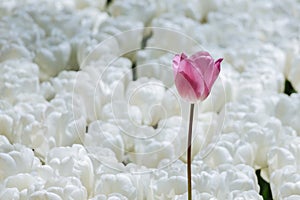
89,109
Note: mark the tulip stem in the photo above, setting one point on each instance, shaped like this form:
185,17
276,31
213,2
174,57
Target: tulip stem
189,152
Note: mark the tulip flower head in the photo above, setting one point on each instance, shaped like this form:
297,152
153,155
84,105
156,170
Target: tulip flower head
195,76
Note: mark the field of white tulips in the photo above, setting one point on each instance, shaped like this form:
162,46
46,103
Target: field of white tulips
89,109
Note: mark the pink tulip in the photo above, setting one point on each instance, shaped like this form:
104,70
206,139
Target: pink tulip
195,76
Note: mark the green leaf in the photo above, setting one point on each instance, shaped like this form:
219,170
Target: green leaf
288,88
265,189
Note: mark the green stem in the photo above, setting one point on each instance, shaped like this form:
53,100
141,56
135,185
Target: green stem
189,152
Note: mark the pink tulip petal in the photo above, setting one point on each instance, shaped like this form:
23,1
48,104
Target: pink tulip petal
194,80
218,63
199,54
185,87
215,72
176,61
195,76
205,64
201,59
189,69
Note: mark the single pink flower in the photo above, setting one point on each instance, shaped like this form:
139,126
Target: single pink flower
195,76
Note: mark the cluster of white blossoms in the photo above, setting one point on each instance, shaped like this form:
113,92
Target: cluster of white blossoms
89,110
